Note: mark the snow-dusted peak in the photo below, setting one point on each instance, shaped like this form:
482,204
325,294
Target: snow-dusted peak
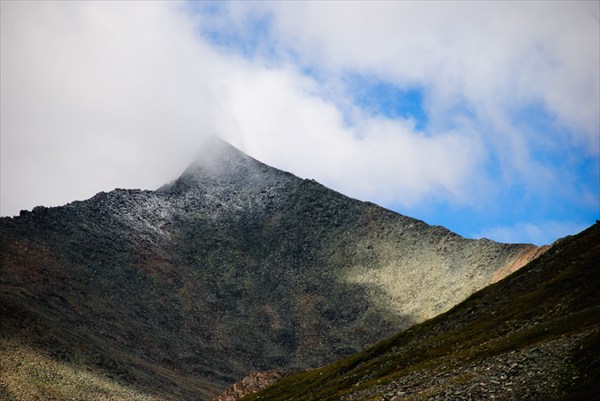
219,157
219,165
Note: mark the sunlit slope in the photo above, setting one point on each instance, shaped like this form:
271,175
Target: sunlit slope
532,336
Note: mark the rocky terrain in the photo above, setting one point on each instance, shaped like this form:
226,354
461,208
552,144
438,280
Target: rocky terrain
532,336
251,384
233,268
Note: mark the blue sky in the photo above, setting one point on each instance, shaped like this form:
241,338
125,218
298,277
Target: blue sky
481,117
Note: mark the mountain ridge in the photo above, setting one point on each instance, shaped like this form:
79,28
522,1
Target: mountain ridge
233,267
534,335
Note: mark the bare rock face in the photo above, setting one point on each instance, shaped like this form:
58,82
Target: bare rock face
232,268
524,259
250,384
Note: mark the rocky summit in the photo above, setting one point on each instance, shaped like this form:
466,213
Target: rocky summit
233,268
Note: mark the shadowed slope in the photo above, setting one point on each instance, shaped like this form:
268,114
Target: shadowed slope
535,335
233,267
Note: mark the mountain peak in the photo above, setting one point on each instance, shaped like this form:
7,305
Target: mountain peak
215,152
219,164
234,267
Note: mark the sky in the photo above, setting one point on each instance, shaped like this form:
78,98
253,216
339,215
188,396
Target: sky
483,117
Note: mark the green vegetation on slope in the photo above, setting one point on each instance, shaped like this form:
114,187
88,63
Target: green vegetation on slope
538,327
28,374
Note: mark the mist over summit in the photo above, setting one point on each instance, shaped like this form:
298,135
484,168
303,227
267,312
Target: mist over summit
233,267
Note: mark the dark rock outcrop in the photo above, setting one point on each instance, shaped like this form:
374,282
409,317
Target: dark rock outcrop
251,384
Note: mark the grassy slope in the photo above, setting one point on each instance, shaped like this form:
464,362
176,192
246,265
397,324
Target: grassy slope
50,359
28,374
554,298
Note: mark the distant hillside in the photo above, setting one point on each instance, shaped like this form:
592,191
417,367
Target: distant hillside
234,267
533,336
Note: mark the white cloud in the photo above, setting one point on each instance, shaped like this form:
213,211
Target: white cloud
493,55
97,95
277,117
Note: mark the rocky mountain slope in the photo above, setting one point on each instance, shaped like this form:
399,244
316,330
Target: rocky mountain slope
234,267
532,336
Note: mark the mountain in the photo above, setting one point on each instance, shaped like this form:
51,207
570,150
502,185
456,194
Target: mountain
532,336
232,268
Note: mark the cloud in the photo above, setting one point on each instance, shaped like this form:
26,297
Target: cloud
277,117
493,55
97,95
